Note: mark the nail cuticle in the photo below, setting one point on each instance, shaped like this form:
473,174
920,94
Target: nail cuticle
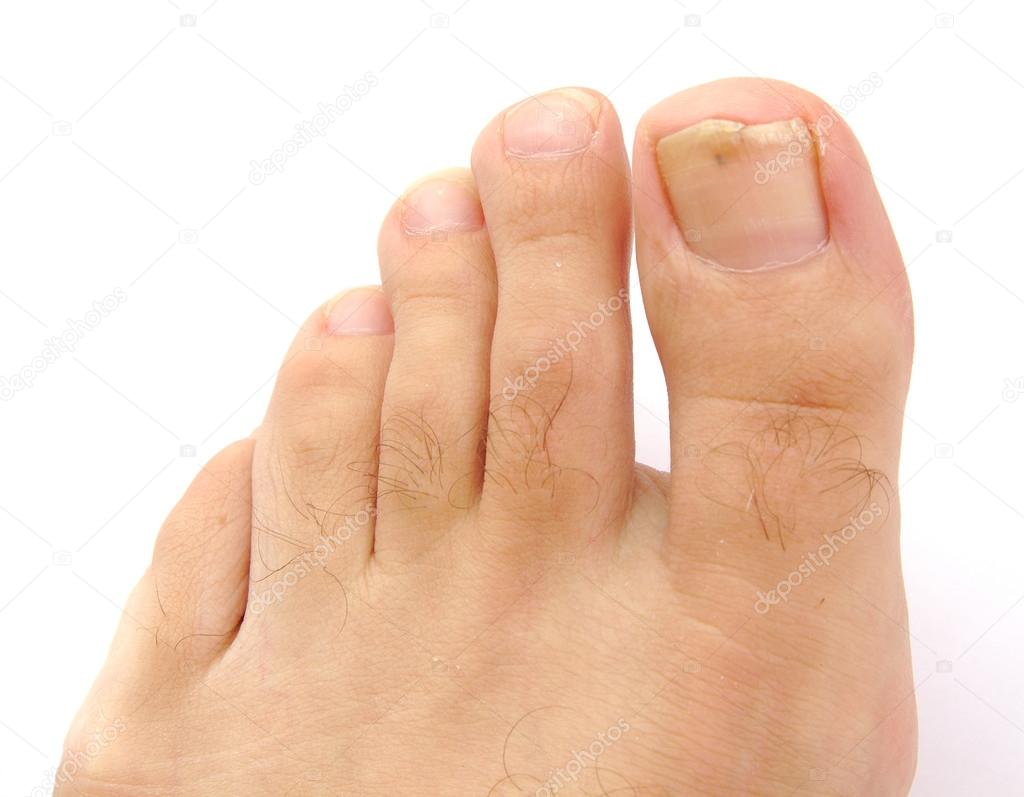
774,266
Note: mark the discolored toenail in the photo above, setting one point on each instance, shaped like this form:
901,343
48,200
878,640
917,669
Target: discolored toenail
747,196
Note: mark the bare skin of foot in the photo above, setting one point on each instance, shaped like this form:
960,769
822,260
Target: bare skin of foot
435,568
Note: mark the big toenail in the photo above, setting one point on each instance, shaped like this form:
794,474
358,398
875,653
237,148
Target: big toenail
551,125
360,311
747,197
439,205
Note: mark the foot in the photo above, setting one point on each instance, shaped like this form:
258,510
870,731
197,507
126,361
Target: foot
436,568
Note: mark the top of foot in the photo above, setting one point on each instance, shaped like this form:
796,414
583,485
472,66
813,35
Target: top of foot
436,569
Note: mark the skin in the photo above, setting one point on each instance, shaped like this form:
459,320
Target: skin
509,605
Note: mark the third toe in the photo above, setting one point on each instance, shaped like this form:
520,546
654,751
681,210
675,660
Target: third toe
438,271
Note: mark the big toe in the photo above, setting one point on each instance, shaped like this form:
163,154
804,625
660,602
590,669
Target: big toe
774,288
779,304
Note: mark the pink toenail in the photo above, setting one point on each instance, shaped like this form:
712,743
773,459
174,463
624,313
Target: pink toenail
439,205
551,125
360,311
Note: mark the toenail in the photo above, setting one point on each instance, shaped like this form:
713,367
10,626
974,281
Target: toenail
747,196
360,311
439,205
551,125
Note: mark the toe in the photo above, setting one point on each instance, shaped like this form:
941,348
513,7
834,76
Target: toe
779,304
553,178
761,239
193,595
315,460
186,609
201,559
438,271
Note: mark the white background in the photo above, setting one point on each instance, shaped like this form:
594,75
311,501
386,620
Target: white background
125,146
